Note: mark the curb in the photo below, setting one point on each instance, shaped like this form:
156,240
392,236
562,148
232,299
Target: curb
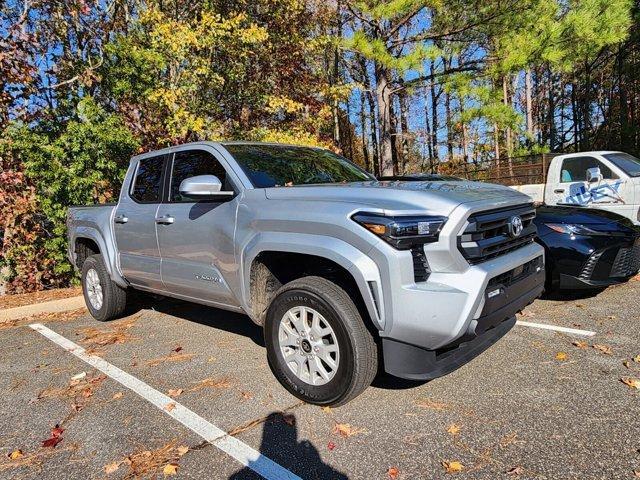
53,306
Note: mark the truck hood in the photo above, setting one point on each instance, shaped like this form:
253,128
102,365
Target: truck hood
441,197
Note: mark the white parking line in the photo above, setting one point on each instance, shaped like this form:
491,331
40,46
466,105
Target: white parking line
573,331
243,453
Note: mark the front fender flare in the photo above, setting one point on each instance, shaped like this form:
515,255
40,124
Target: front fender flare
363,269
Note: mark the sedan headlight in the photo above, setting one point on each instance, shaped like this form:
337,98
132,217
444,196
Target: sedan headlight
402,232
572,229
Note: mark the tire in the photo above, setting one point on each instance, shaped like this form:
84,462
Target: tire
347,372
113,297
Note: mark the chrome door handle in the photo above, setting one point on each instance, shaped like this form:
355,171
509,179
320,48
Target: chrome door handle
165,220
121,219
559,190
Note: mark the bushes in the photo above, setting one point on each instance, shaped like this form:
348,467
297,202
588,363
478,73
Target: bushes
44,172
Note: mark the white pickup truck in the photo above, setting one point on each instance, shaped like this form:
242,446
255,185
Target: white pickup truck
605,180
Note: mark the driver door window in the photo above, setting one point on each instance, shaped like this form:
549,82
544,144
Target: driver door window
574,169
191,163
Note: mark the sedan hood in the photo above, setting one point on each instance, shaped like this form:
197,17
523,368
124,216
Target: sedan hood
439,196
598,220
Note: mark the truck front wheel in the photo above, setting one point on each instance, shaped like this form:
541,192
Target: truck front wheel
104,298
318,346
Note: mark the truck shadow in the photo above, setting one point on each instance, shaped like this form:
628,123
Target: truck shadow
280,444
201,314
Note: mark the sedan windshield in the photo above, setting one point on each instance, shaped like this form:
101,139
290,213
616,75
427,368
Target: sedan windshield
627,163
269,165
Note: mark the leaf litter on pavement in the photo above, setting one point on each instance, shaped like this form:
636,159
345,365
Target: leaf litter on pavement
117,333
150,463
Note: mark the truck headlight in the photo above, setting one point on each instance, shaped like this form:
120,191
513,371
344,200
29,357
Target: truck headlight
402,232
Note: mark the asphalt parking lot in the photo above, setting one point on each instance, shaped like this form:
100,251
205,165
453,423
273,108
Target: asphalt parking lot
539,404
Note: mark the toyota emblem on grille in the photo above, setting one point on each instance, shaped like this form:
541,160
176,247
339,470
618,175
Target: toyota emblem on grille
515,226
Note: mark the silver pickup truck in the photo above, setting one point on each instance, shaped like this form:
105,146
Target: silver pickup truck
345,273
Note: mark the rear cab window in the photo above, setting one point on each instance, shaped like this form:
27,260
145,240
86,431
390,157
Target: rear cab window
147,184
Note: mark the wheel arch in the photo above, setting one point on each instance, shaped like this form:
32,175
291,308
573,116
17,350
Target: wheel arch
269,260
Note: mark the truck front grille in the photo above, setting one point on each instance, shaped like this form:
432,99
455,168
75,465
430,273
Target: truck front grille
488,236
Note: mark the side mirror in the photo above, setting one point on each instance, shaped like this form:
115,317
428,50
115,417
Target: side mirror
202,186
594,175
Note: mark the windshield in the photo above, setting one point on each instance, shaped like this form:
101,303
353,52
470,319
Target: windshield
284,166
627,163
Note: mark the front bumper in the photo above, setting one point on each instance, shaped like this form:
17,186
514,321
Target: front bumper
504,296
585,262
434,314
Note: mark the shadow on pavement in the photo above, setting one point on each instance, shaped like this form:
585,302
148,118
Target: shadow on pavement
568,295
280,444
389,382
201,314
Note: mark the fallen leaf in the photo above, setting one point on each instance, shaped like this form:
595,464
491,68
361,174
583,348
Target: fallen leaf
117,395
637,473
393,473
626,364
603,348
78,377
452,466
211,383
561,356
16,454
636,359
453,429
170,406
345,430
182,450
51,442
177,349
631,382
515,471
331,445
170,469
57,431
175,393
246,395
326,409
580,344
112,467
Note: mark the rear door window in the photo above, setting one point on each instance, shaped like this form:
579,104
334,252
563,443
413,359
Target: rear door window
147,185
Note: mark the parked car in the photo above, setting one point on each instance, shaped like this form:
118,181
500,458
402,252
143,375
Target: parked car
335,265
587,248
603,180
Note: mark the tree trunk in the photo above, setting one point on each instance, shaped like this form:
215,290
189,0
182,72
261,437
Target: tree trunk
551,112
383,97
528,103
434,117
404,130
427,129
363,136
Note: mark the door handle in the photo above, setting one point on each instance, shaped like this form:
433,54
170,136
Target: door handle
121,219
559,190
165,220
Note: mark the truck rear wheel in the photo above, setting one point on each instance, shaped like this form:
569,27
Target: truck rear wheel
105,299
318,346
